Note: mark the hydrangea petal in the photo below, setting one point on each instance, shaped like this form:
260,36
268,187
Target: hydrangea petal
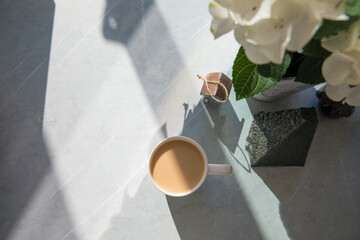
289,10
276,51
220,27
255,56
354,76
335,68
354,43
217,11
336,15
263,32
304,31
337,93
336,43
353,96
248,12
330,9
221,22
252,53
344,40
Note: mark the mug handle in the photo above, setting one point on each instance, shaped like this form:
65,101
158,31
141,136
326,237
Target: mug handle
219,169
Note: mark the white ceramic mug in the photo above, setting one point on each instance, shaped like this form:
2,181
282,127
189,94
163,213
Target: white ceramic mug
211,169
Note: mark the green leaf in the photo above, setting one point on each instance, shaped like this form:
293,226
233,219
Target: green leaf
310,70
329,28
275,71
352,7
250,79
314,49
245,75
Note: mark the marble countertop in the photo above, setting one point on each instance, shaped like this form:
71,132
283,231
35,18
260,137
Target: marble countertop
88,88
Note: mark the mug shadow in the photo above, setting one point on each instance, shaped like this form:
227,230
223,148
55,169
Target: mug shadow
218,209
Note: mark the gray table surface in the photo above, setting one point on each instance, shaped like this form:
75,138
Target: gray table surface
88,88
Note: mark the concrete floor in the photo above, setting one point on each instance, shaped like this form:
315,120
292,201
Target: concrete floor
88,88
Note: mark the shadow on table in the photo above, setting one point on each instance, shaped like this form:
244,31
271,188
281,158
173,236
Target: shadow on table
139,26
227,128
322,199
218,210
25,166
326,203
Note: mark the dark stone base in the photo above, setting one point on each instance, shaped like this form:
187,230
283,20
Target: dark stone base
333,109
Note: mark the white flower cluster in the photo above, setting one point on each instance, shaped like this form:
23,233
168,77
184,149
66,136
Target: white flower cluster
342,68
267,28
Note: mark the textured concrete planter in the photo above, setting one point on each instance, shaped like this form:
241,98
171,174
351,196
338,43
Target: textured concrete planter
283,88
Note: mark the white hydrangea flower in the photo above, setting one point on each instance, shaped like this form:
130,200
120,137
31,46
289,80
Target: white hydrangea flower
247,12
345,93
262,42
230,14
341,68
330,9
337,93
267,28
221,22
353,96
290,27
345,40
341,71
